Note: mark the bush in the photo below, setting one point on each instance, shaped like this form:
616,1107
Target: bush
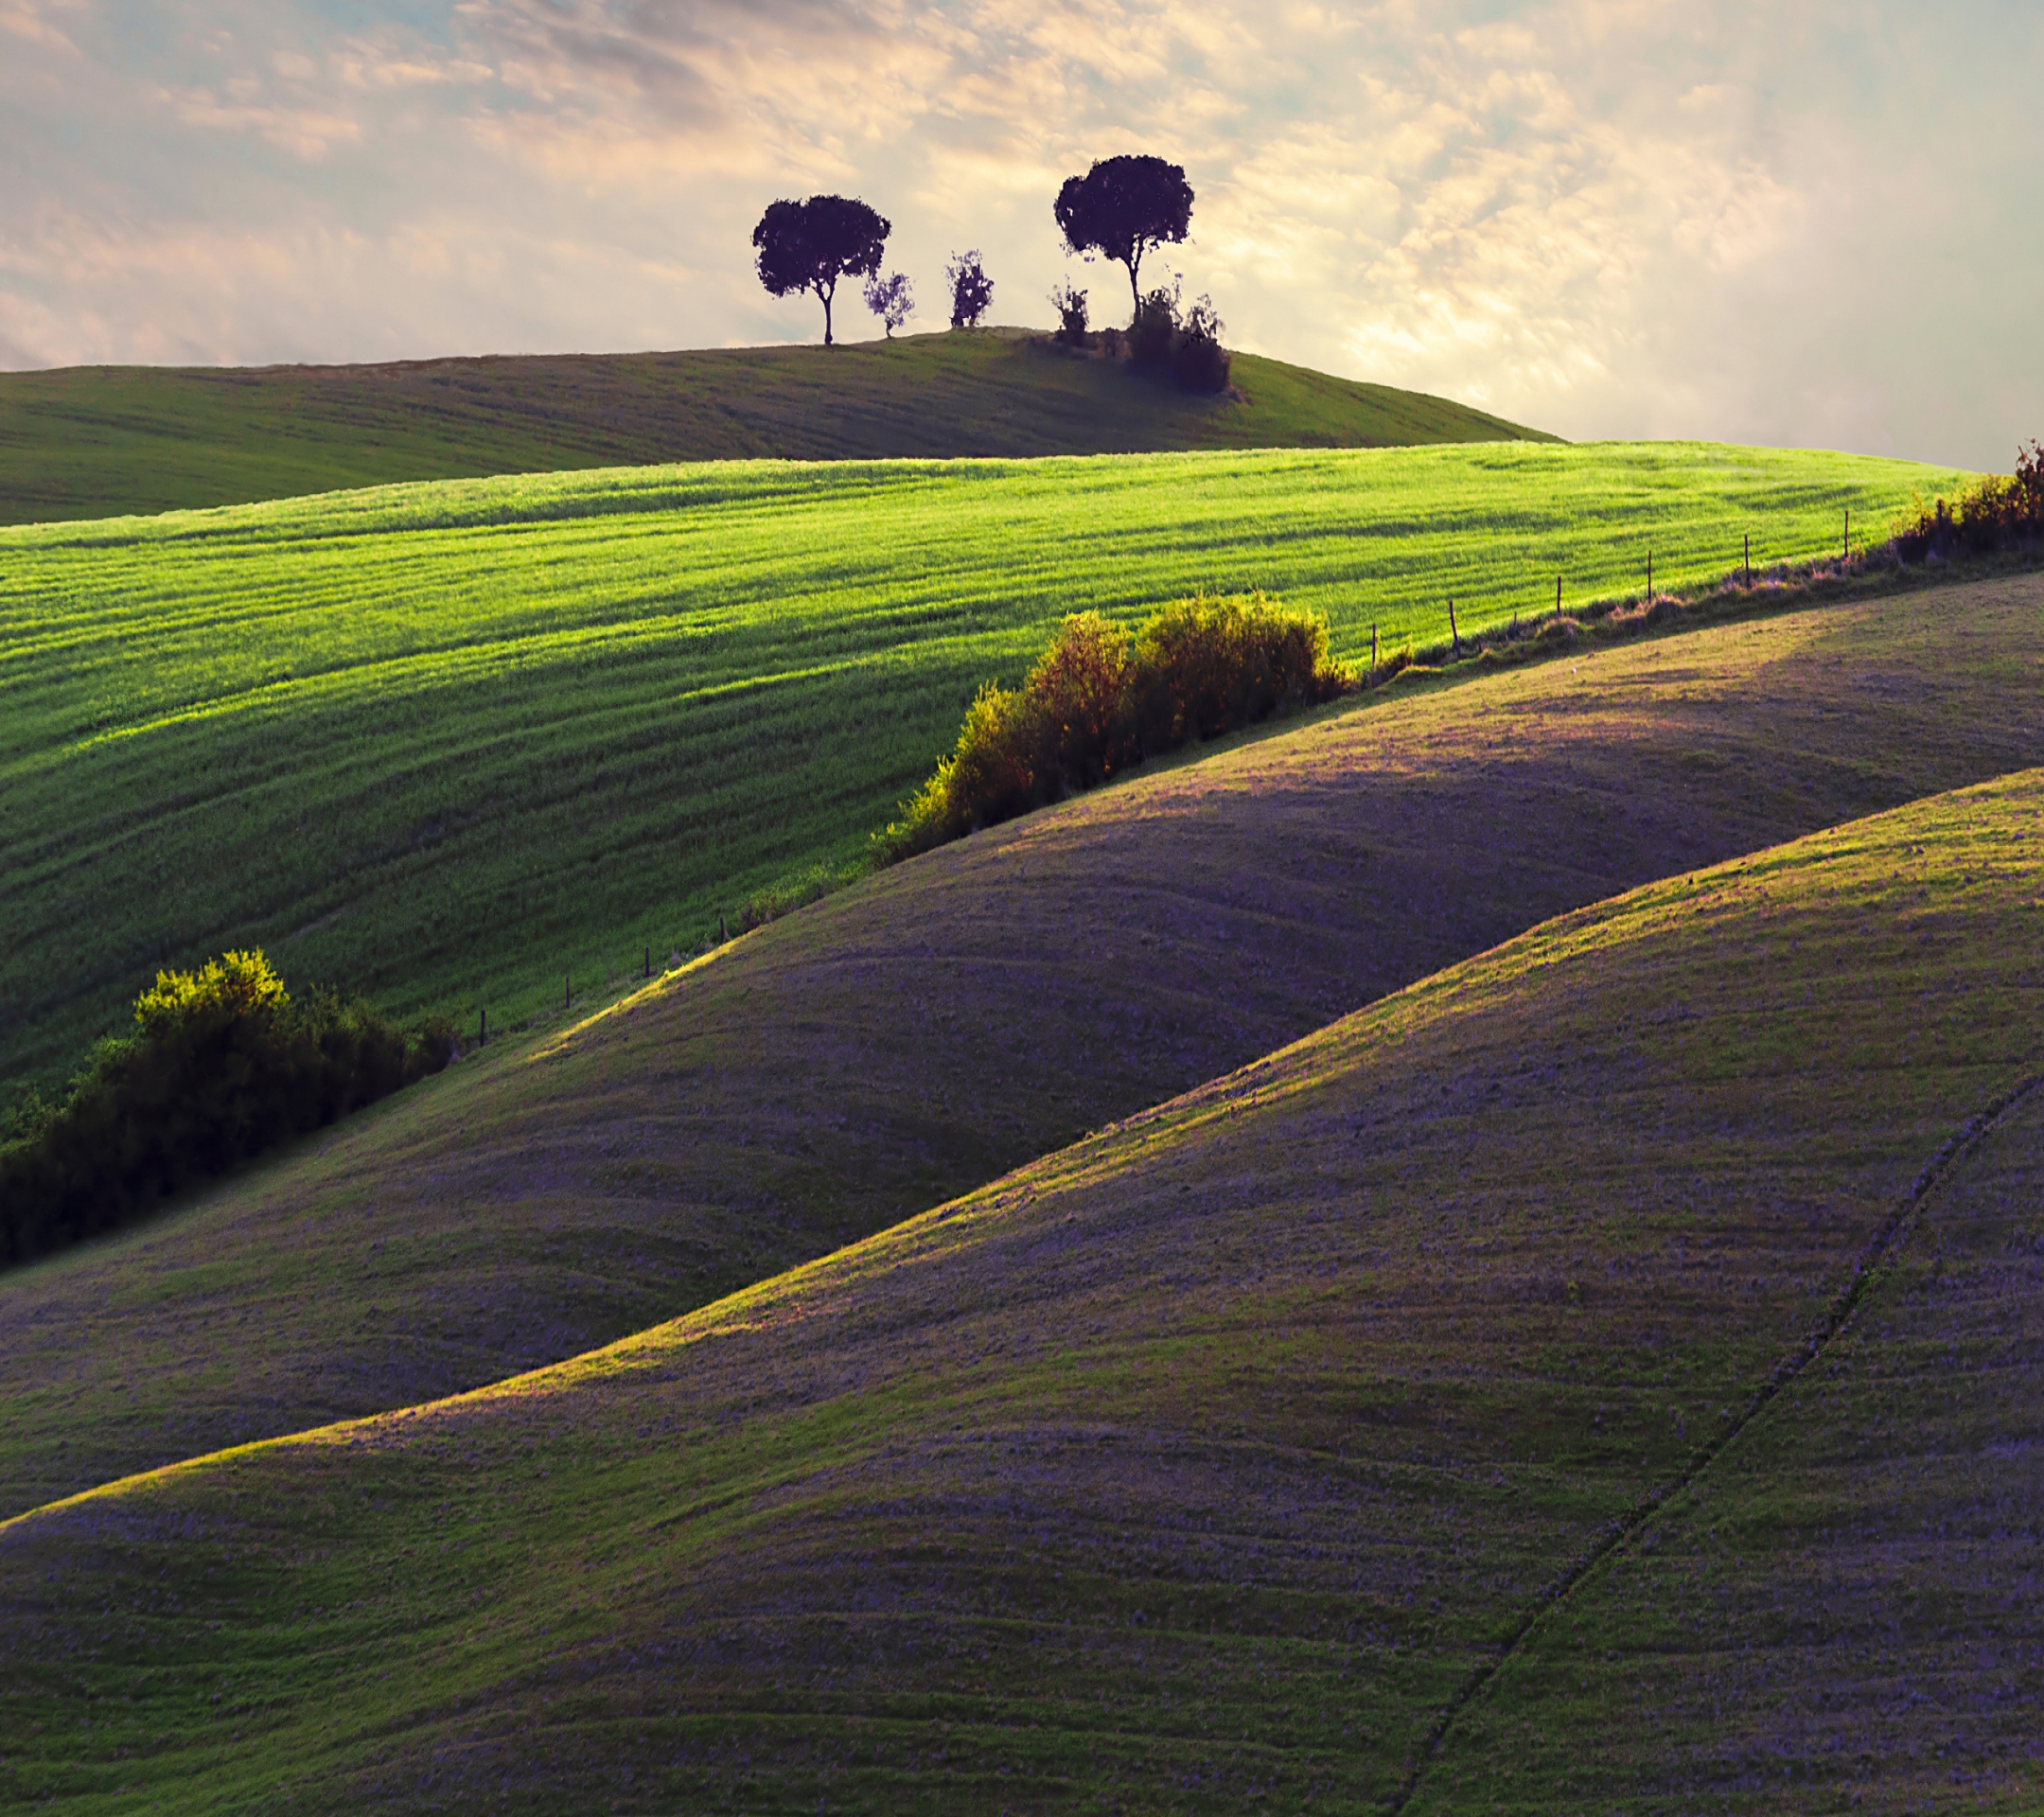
1154,332
1070,304
1199,361
1996,512
222,1064
1098,700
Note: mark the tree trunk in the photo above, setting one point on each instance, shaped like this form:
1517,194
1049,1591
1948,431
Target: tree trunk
1135,293
826,296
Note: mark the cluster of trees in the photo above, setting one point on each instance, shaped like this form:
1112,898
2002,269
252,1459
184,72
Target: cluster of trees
1121,209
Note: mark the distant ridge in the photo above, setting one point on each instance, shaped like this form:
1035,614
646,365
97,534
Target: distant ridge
104,441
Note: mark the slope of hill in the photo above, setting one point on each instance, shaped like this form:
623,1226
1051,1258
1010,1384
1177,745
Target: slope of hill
920,1034
1198,1464
445,743
101,441
1845,1613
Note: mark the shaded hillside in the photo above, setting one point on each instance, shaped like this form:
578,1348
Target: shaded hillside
443,744
101,441
965,1012
1199,1464
1843,1612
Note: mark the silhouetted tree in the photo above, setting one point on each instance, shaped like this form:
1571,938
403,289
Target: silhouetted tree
1122,208
972,289
891,298
810,245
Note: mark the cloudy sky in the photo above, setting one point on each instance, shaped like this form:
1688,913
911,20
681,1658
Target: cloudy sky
1813,224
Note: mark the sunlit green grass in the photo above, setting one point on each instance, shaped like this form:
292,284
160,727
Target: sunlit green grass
954,1017
452,744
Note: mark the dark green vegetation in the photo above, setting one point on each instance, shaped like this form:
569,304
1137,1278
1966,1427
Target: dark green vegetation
443,744
222,1064
1996,511
1100,700
1199,1463
97,441
967,1011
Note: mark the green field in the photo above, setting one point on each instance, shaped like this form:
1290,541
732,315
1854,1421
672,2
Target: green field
98,441
961,1014
1199,1466
449,743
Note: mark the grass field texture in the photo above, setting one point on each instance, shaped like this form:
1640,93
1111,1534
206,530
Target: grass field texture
1196,1465
99,441
961,1014
449,743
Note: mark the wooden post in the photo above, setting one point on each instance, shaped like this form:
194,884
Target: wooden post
649,961
483,1034
1848,533
1650,576
1557,595
566,991
1373,650
721,934
1453,634
1748,559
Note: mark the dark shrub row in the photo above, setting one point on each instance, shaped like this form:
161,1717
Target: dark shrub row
1100,700
1997,511
222,1065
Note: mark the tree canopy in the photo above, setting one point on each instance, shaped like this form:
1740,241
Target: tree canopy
1122,208
810,245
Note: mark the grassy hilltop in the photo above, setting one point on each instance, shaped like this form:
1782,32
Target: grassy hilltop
961,1014
99,441
445,743
1205,1461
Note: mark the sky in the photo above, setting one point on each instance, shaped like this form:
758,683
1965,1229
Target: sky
1798,224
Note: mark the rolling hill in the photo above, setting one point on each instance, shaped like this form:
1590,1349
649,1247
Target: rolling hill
940,1023
101,441
1206,1461
448,744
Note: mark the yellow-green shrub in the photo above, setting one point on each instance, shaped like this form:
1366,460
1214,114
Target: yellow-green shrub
1097,700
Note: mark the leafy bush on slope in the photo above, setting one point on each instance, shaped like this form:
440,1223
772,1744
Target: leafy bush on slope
1997,511
222,1064
1098,700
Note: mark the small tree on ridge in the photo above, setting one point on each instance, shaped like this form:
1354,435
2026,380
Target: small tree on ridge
972,289
891,298
810,245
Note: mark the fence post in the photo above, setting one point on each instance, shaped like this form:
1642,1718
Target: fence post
1454,636
1749,560
721,933
483,1034
649,961
1557,595
1650,576
566,991
1373,650
1848,534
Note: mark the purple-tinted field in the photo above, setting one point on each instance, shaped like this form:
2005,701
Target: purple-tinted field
1847,1613
1195,1465
918,1035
